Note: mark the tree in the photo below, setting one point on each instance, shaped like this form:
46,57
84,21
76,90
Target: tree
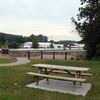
52,41
0,45
42,38
9,37
34,41
51,45
88,26
13,45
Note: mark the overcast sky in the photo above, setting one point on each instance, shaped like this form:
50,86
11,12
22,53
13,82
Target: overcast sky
48,17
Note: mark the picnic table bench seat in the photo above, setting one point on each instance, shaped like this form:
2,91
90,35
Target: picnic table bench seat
38,75
73,73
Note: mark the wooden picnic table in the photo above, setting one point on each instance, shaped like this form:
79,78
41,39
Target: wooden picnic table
78,71
46,69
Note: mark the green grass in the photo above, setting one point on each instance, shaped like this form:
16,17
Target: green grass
4,60
13,81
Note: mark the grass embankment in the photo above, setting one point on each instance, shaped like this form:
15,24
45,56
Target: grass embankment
4,60
13,81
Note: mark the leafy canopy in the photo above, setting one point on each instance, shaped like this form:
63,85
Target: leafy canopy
88,26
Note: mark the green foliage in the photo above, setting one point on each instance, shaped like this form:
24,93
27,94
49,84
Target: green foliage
0,45
34,41
42,38
51,45
9,38
88,26
13,45
20,39
52,41
2,38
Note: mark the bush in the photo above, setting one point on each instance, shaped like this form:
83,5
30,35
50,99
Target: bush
13,45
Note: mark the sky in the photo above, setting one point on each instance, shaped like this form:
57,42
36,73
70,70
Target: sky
51,18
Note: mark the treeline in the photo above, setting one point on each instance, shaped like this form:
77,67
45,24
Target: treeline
16,41
9,39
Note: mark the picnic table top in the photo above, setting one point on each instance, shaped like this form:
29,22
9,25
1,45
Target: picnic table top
60,67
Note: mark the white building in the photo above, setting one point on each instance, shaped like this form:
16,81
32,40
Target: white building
42,45
27,45
56,46
76,46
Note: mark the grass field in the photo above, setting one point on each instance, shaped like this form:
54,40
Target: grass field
7,60
13,81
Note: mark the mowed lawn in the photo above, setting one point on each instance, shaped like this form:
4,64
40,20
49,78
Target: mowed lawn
4,60
13,81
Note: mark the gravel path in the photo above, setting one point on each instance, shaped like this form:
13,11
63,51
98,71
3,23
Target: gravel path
20,61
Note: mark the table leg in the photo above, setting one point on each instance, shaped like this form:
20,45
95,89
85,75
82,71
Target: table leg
46,72
40,70
78,75
36,79
74,83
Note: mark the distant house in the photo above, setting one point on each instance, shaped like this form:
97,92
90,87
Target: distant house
44,45
27,45
76,46
56,46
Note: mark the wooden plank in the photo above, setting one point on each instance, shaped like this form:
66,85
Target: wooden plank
70,68
63,72
83,74
56,77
